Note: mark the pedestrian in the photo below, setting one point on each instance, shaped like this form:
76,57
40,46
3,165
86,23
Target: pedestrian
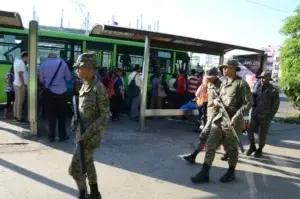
53,74
94,113
19,86
118,98
201,96
134,92
214,83
9,90
236,96
266,104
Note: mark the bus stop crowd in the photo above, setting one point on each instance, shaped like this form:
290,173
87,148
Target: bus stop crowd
222,103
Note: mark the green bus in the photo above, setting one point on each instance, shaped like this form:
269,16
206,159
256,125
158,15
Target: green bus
111,52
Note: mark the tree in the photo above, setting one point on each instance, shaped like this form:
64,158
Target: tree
290,58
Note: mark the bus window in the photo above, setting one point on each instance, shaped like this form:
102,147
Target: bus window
45,47
128,56
160,61
11,47
106,59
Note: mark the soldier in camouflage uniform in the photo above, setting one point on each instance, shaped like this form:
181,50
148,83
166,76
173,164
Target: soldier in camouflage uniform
94,113
214,84
266,104
237,98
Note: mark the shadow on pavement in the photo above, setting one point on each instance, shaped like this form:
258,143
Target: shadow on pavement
156,153
39,178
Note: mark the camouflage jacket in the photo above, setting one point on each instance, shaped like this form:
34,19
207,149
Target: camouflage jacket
266,103
93,109
237,99
212,110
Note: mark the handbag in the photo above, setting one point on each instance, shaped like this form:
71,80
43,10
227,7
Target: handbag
46,92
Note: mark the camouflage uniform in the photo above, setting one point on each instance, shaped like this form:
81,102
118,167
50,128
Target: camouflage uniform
237,99
266,105
212,111
94,112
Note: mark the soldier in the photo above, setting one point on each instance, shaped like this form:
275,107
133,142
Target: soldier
94,113
266,104
237,98
214,84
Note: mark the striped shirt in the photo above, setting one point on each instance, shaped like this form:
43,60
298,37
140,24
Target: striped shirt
193,84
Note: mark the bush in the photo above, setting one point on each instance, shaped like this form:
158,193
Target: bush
290,59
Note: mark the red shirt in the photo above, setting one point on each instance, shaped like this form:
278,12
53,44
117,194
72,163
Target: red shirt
181,85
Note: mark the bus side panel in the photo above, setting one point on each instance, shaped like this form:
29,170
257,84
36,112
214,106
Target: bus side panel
3,70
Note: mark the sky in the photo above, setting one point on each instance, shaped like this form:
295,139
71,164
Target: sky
240,22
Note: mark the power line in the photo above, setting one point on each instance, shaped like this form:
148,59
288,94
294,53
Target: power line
269,7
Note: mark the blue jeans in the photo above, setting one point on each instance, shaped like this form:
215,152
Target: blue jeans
135,103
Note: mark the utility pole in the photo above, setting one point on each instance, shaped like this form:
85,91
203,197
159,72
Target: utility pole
141,21
62,18
137,23
33,13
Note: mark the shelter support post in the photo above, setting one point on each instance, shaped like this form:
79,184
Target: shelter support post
32,77
145,84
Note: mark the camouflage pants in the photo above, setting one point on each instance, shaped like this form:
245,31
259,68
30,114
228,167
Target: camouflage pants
203,139
221,135
261,127
90,147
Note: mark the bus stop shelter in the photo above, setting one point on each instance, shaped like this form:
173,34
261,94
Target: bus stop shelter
13,20
162,40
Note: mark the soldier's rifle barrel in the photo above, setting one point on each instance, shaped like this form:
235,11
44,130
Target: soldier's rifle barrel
229,120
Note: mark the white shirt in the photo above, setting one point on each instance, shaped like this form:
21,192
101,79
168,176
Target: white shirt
25,76
19,66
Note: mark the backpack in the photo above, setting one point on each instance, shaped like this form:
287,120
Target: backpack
133,89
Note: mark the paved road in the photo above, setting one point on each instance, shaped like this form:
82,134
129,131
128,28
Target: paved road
133,165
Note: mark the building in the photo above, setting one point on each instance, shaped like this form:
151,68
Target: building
273,60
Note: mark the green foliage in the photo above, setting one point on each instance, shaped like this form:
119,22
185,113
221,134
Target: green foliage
290,59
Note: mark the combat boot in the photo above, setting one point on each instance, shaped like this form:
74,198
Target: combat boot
191,158
224,157
82,194
251,149
95,194
258,153
229,175
202,176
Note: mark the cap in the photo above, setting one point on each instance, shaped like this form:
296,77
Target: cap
265,75
231,63
86,59
211,72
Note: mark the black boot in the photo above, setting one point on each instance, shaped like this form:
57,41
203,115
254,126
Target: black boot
202,176
95,194
82,194
224,157
191,158
258,153
229,175
251,149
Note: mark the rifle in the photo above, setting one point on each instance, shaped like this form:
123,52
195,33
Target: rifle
80,143
229,120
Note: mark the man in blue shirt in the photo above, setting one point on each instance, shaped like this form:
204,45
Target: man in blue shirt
55,93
